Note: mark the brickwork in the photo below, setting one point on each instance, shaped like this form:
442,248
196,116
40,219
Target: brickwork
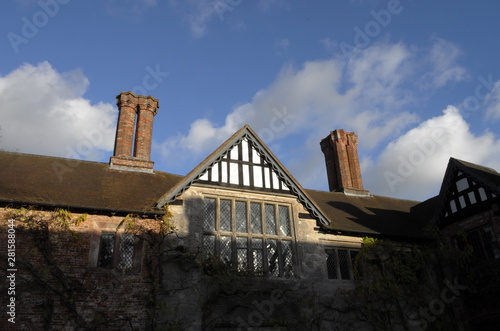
134,132
57,286
342,162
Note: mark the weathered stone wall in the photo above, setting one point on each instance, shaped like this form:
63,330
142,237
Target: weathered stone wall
197,301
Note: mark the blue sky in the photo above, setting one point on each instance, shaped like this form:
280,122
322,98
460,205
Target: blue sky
417,80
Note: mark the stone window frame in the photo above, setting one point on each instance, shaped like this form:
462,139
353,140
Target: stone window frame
483,240
337,271
101,228
283,268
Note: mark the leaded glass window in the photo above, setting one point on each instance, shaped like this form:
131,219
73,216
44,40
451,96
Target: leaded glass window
116,251
106,250
340,263
252,236
126,254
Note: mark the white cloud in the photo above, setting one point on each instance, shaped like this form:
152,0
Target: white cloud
369,94
264,5
442,61
492,102
44,112
281,46
413,165
364,95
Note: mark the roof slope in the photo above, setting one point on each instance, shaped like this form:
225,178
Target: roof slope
370,215
488,177
43,180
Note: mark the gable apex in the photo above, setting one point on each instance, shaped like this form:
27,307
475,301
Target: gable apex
277,175
464,186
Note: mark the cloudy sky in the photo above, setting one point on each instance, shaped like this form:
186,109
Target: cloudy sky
417,80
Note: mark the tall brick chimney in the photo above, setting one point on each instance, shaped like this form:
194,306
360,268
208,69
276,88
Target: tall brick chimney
134,132
342,162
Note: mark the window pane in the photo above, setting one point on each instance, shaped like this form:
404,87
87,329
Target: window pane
272,258
284,215
106,250
127,241
331,264
225,215
241,253
286,249
241,216
270,219
209,211
255,217
225,249
354,266
257,254
208,245
344,264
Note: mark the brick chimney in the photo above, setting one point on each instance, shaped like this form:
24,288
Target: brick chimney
342,162
134,132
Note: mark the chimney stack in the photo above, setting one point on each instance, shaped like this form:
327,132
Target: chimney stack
134,132
342,162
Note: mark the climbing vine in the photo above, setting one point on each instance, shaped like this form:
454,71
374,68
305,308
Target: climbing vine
52,240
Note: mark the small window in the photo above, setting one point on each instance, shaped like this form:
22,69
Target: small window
340,263
117,250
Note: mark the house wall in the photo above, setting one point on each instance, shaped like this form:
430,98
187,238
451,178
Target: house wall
74,292
485,217
232,301
57,282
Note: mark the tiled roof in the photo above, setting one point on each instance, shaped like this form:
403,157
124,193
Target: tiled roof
42,180
370,215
